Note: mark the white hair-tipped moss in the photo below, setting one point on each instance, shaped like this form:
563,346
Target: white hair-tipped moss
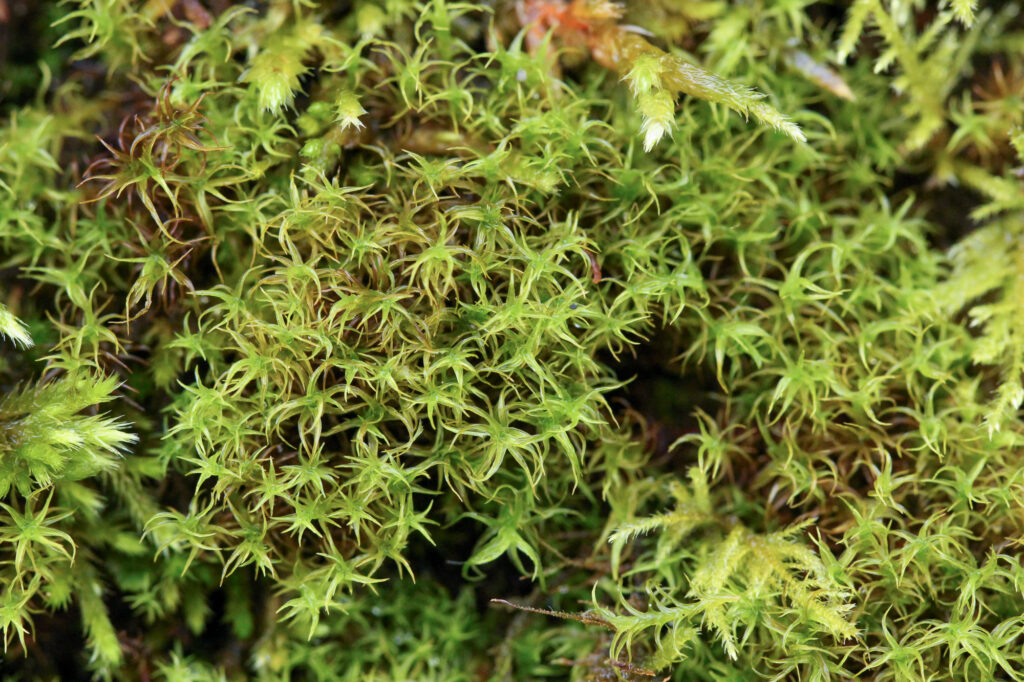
13,328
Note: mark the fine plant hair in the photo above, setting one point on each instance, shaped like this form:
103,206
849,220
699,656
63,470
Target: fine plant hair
517,339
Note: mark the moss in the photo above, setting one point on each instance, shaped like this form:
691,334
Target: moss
442,340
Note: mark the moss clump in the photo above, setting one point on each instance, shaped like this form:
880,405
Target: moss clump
458,341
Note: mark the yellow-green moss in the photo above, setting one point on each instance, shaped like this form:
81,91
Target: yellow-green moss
323,325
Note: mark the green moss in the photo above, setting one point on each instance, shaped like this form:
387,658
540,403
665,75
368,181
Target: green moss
441,340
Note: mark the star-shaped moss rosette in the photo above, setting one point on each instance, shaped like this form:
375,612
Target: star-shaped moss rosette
437,340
